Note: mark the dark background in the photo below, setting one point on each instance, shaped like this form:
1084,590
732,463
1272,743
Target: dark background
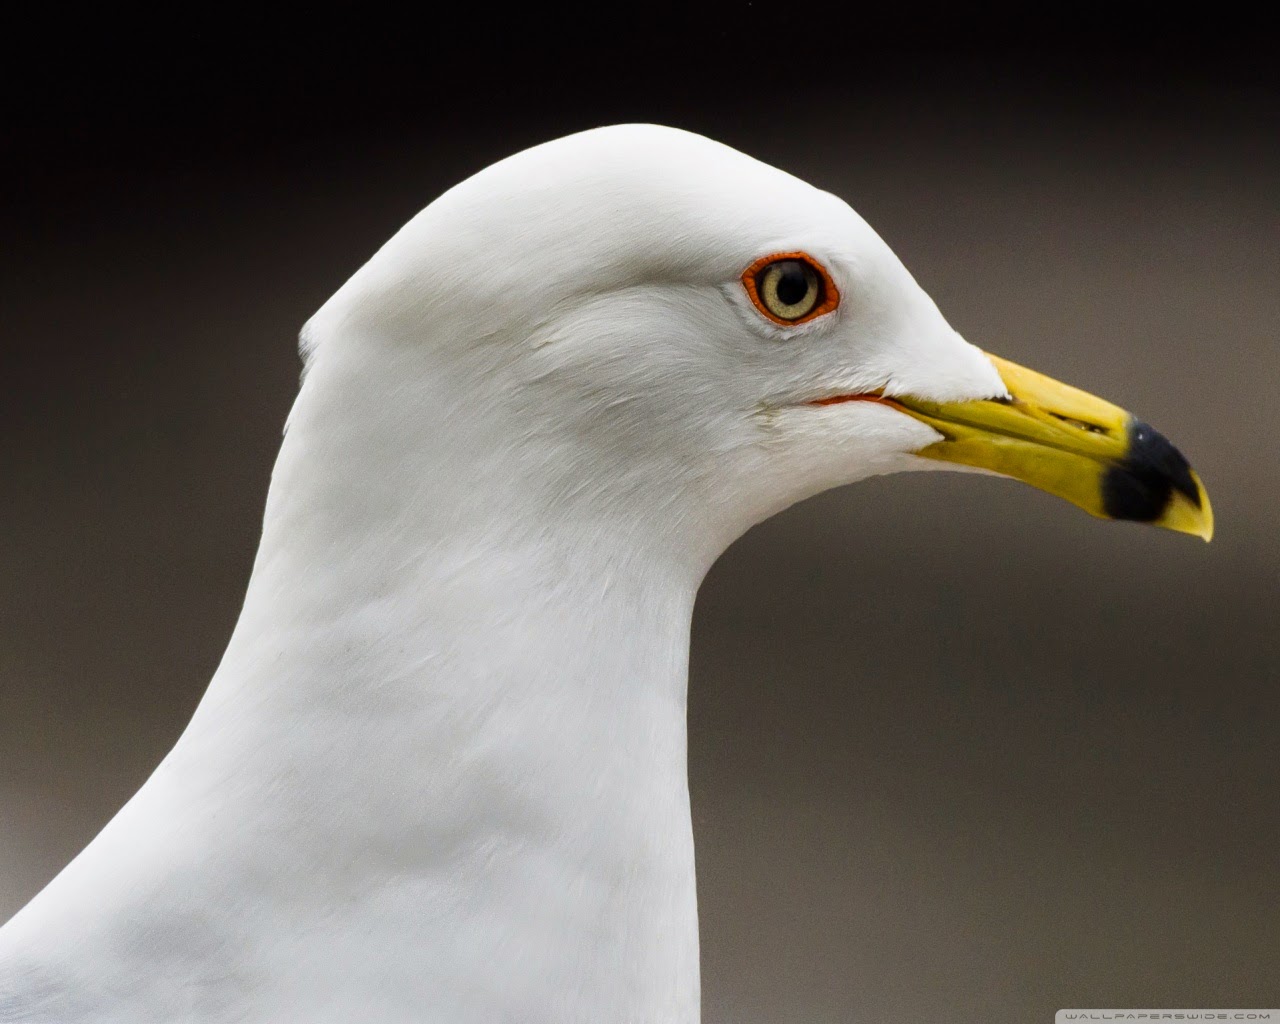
958,752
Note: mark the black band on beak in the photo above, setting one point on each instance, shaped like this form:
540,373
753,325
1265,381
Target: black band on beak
1141,485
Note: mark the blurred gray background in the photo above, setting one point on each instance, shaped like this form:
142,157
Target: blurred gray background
958,752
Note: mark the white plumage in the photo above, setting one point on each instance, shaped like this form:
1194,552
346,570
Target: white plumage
440,772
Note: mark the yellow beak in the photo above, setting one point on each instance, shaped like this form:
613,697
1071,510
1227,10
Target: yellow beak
1069,443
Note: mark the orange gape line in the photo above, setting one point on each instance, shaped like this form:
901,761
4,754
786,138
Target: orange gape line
830,295
870,396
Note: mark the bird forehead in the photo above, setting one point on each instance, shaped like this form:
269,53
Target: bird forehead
640,196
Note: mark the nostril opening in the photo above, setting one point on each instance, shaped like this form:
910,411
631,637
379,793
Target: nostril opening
1085,425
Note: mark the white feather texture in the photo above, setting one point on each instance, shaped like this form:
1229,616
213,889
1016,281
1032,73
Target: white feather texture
440,775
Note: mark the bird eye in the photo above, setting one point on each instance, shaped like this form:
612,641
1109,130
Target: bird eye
790,288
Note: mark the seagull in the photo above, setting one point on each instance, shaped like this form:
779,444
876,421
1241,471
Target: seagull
440,772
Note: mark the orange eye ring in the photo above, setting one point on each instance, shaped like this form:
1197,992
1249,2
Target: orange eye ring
754,281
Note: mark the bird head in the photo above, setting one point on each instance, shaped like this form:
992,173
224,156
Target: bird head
651,321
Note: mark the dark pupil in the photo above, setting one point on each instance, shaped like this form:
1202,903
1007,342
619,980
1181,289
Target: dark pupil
793,283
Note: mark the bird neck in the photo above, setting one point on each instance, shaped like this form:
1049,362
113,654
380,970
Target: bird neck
492,773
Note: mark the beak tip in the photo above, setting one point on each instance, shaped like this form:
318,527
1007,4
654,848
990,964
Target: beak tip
1204,508
1186,515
